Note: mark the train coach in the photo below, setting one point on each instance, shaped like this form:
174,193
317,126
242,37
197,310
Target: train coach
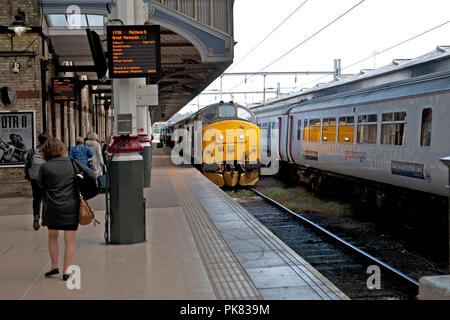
222,140
384,138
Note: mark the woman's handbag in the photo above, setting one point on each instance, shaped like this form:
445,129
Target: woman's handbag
86,214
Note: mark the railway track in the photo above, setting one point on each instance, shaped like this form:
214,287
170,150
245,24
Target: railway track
347,265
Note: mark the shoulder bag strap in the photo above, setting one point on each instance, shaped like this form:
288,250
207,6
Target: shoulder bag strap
75,178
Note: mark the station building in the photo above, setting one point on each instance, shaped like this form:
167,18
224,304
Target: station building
196,47
35,63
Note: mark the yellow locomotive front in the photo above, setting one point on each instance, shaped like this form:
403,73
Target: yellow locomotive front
230,145
229,154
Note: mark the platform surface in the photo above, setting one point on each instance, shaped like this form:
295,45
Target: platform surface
200,245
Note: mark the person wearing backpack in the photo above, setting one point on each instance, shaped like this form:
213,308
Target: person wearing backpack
33,162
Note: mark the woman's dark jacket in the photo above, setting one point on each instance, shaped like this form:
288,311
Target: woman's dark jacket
62,200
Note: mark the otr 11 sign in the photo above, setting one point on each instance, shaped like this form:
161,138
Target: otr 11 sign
134,51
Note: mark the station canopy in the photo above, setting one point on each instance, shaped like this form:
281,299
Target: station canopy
193,54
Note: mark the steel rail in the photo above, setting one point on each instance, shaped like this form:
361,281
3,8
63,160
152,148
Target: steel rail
341,241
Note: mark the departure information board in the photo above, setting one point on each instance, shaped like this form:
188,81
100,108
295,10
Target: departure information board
63,89
134,51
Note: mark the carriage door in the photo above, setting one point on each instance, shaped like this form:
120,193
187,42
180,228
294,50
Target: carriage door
280,126
291,134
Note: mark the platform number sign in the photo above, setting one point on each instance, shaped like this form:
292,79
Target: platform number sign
134,51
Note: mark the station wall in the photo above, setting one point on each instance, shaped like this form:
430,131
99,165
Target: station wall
62,120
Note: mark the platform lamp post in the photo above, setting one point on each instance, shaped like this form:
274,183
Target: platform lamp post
446,161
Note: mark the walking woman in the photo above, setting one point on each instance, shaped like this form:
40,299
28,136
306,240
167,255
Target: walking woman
97,159
61,202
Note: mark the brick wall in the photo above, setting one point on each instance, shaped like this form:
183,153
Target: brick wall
26,83
62,123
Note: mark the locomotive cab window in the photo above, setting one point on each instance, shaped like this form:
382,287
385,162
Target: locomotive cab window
393,128
210,115
227,111
244,114
425,131
367,128
346,129
329,130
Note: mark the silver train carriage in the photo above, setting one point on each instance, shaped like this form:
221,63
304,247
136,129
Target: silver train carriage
392,134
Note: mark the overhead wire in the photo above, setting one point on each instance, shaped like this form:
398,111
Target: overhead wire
384,50
307,39
268,35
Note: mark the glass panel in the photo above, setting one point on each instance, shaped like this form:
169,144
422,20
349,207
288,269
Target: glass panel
227,112
305,130
76,20
346,129
372,118
329,130
362,119
387,134
400,116
299,129
399,134
95,20
210,114
346,120
367,133
425,135
393,133
314,130
244,114
386,117
57,20
345,133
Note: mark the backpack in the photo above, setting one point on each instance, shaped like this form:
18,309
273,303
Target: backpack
36,162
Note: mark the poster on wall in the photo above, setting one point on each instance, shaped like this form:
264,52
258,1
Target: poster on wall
16,137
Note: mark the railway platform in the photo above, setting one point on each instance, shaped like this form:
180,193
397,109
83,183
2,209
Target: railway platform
201,245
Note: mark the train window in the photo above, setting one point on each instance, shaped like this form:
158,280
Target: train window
210,115
299,129
244,114
367,128
346,129
227,111
393,127
425,131
274,125
314,130
305,130
329,130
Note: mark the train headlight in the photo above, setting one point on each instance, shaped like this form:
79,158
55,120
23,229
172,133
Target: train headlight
221,138
241,137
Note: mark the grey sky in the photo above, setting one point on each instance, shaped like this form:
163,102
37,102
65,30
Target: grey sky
371,27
